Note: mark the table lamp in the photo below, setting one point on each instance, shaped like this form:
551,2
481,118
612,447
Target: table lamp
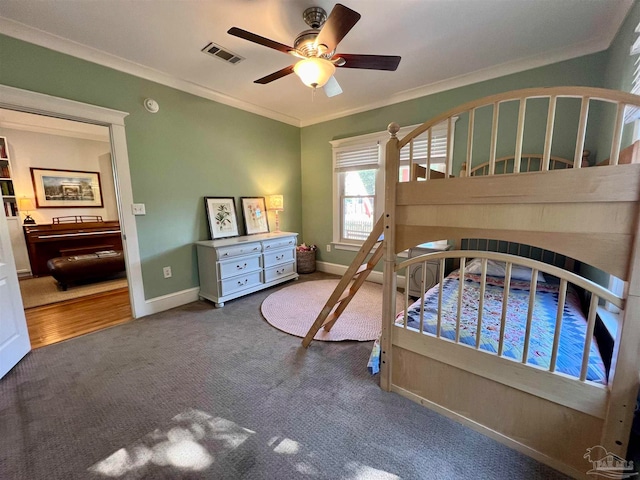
276,204
26,205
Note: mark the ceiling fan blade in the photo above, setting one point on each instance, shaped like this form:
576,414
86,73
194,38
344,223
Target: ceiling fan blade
371,62
340,21
332,87
275,75
252,37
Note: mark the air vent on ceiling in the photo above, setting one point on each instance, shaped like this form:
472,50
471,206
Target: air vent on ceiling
222,53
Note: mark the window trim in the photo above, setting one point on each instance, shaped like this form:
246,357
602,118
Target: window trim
381,138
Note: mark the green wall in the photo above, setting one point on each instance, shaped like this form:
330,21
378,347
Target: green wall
191,148
316,151
619,76
195,147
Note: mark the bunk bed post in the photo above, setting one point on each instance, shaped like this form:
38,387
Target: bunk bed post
392,164
624,367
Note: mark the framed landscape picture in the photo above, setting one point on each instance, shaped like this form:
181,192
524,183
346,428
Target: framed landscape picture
255,215
221,215
66,188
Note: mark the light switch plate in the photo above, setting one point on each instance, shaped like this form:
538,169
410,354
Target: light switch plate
138,209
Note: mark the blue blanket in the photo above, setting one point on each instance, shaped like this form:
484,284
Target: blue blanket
572,333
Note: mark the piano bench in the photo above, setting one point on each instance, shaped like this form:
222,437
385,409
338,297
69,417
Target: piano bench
81,268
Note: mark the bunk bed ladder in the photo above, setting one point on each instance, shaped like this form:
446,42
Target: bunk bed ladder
349,284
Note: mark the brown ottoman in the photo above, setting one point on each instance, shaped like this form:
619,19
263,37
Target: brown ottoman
80,268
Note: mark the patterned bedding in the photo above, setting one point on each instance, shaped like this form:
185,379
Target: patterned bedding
572,332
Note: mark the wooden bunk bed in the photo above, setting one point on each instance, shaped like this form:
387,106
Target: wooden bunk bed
540,408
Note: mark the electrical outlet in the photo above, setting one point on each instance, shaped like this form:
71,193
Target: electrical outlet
166,271
328,247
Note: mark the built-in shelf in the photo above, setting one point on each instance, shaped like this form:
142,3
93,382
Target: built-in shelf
6,183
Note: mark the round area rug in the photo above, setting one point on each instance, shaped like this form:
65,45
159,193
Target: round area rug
294,309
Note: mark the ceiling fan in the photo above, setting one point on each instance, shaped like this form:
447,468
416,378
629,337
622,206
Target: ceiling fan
316,47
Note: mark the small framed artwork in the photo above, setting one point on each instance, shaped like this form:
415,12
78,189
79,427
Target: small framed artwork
66,188
221,216
255,215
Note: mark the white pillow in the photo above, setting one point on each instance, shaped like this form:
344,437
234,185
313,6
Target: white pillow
499,269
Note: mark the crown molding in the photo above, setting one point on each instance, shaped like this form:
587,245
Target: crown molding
53,42
488,73
598,44
39,37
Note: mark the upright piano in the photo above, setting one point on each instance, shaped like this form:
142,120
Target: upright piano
66,239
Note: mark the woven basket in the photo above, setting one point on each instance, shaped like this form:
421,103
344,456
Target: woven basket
306,261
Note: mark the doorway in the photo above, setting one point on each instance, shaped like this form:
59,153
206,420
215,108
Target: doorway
54,213
31,102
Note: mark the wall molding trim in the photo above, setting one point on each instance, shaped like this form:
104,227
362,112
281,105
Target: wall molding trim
171,300
489,73
338,269
43,104
33,102
53,131
39,37
35,36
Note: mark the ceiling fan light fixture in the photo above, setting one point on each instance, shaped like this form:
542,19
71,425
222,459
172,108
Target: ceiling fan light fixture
314,72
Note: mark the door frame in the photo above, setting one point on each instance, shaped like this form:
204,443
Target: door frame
32,102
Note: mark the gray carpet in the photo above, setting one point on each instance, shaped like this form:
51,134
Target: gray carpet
198,392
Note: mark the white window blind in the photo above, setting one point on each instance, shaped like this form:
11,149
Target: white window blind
438,146
633,113
357,158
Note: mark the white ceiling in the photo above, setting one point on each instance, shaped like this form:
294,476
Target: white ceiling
443,44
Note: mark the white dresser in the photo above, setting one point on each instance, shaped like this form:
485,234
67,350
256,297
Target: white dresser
232,267
432,274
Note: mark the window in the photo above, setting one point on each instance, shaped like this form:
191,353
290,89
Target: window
633,113
420,145
358,179
357,175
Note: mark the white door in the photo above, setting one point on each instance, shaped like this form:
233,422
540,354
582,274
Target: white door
14,337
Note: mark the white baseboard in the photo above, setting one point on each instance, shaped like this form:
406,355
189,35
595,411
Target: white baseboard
171,300
338,269
177,299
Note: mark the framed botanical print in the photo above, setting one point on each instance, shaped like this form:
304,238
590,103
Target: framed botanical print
221,215
255,215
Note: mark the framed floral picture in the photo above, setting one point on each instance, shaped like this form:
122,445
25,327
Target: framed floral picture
221,215
255,215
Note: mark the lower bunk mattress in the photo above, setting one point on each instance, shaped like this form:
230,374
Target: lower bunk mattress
572,333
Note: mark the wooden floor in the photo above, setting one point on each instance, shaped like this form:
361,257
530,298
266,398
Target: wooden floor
60,321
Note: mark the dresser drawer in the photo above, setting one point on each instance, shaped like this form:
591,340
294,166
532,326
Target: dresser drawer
235,250
238,266
278,271
278,256
241,282
277,243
